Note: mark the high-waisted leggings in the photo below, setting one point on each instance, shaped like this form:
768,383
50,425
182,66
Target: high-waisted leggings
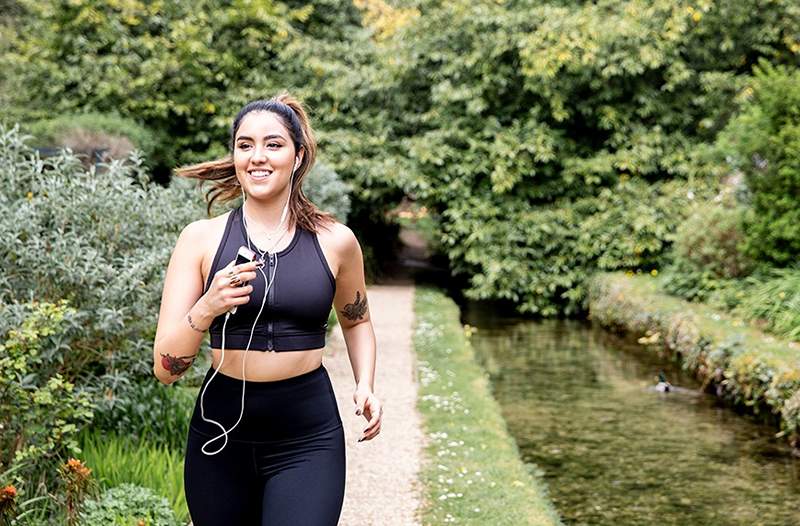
284,464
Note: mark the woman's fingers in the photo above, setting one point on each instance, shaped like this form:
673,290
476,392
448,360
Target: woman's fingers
374,412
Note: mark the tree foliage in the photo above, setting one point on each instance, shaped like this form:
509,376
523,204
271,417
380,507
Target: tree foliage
513,111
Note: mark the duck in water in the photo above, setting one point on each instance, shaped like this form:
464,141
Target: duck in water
663,385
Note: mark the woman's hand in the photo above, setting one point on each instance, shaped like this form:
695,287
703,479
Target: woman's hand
368,405
224,292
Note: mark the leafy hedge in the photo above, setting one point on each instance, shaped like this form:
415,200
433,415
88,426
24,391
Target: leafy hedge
519,118
763,141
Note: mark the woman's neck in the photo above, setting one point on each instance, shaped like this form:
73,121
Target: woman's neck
266,215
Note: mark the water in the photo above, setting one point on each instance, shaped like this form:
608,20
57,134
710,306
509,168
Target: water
580,404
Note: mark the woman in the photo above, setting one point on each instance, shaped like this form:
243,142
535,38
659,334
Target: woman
266,442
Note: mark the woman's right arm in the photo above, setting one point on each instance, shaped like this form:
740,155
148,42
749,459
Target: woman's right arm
177,342
186,313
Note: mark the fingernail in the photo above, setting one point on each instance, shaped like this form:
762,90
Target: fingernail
358,412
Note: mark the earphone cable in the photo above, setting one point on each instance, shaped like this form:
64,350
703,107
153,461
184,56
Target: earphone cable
268,285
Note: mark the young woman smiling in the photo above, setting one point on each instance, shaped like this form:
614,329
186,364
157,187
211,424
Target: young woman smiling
266,442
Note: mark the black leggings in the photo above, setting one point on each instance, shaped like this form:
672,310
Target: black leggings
284,464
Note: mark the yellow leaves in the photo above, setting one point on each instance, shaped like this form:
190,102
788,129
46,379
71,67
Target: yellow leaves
696,14
650,339
792,44
383,18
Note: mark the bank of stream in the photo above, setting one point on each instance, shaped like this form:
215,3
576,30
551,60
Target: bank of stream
581,405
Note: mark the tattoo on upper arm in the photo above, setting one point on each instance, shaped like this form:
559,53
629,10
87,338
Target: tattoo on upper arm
357,309
176,365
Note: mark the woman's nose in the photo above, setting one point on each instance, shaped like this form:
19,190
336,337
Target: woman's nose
260,154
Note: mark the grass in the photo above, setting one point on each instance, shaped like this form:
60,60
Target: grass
116,459
713,322
472,472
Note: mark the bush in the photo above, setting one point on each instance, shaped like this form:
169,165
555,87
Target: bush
101,242
325,188
541,257
40,411
707,250
85,132
770,299
142,408
128,505
710,240
763,141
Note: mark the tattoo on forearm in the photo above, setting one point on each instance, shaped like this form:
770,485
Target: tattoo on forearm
357,309
176,365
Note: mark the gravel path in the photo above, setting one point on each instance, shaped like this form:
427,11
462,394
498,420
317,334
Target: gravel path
382,487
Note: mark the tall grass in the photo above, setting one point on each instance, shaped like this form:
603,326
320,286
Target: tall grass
116,459
774,303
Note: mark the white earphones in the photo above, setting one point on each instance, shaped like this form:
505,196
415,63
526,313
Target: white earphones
252,330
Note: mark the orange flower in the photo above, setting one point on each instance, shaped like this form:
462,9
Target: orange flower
76,467
8,493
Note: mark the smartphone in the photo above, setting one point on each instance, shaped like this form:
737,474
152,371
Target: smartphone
244,255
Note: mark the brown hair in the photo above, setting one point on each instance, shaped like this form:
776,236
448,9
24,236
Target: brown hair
222,173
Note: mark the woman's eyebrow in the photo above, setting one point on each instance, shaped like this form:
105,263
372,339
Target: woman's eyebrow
273,136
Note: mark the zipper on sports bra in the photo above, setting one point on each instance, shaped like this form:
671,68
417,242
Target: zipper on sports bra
270,346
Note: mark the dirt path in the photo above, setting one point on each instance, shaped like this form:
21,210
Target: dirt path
382,487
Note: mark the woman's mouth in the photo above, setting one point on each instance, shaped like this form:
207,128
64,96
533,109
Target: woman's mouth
260,174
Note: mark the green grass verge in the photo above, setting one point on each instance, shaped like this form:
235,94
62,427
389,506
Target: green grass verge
472,472
742,365
116,459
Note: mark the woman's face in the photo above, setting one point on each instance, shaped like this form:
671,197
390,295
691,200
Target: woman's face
263,155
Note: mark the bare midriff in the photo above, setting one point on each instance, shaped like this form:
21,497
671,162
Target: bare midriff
264,366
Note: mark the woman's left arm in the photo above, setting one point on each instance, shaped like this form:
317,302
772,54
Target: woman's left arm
352,311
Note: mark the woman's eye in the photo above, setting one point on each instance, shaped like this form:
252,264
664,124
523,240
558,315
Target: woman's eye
275,144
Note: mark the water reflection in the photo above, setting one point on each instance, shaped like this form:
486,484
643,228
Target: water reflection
579,401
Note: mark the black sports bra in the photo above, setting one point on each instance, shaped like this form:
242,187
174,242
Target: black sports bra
295,315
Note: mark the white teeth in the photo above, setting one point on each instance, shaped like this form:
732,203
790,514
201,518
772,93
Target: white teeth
259,173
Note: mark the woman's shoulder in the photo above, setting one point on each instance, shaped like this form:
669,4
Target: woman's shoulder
338,236
198,236
201,228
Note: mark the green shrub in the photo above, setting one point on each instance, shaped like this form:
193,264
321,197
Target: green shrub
40,411
707,251
128,505
101,241
770,299
763,141
541,257
507,112
142,408
123,458
325,188
83,132
710,240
